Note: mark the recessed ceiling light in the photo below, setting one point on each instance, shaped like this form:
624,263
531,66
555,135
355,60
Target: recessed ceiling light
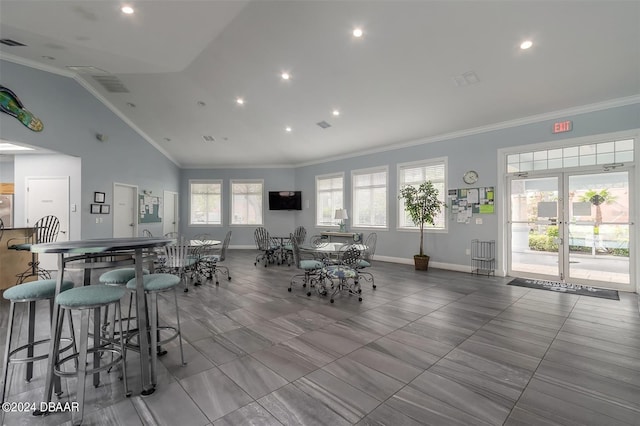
288,129
526,44
357,32
336,112
285,76
127,10
240,101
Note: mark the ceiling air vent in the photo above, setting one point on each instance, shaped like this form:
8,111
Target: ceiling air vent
9,42
111,83
208,138
324,124
466,79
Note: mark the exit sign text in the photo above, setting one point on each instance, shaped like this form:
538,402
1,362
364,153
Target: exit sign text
562,126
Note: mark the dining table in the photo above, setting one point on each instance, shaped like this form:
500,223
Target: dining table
89,254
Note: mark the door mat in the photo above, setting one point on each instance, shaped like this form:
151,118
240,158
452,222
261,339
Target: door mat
580,290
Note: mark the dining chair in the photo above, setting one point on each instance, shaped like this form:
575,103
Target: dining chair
215,259
266,246
45,230
310,267
178,261
146,233
343,275
367,258
299,234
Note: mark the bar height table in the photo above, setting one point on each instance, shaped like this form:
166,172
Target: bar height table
70,251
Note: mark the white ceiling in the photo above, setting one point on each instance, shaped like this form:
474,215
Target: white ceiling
393,86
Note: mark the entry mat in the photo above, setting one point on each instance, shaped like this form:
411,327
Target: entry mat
580,290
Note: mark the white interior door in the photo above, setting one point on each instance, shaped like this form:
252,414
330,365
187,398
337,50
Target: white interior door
125,210
49,196
170,212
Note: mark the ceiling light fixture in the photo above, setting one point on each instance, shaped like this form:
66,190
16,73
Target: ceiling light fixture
526,44
128,10
288,129
357,32
285,76
240,101
336,112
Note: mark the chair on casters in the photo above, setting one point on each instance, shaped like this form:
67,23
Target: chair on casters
45,230
343,275
300,234
178,261
309,266
367,258
211,262
265,245
30,293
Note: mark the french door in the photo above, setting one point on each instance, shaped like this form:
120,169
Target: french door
572,227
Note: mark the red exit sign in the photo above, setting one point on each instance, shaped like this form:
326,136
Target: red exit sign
562,126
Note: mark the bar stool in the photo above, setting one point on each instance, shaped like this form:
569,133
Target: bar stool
30,293
86,299
153,285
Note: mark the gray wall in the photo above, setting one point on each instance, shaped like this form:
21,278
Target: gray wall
72,117
6,169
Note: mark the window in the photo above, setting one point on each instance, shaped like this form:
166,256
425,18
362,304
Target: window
206,202
415,174
618,151
369,198
246,202
329,197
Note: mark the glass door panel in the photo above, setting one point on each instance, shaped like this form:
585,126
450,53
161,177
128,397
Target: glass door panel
534,228
598,228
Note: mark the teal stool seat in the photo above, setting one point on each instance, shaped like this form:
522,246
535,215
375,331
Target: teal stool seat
90,296
120,276
35,290
311,264
156,282
30,293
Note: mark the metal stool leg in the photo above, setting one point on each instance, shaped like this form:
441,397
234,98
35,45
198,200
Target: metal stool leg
82,358
5,380
175,298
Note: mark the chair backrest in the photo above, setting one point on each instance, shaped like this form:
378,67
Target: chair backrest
171,235
46,229
370,243
146,233
261,235
177,254
295,251
225,246
349,255
300,234
317,241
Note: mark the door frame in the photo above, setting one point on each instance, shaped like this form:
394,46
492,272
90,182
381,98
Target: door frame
502,207
176,209
136,208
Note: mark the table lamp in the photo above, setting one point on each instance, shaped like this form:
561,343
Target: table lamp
342,215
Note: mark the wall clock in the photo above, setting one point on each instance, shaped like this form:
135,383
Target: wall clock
470,177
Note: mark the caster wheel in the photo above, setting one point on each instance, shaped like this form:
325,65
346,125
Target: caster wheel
304,285
308,293
331,300
255,263
289,289
374,286
359,299
186,290
359,291
229,278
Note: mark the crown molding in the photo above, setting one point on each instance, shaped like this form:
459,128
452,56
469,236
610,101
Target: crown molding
37,65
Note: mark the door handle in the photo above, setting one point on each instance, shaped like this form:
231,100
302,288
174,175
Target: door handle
63,232
131,224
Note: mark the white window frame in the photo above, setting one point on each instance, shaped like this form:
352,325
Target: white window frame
442,195
206,182
353,213
335,223
231,194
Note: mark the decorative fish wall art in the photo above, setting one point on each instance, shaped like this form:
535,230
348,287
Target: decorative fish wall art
10,104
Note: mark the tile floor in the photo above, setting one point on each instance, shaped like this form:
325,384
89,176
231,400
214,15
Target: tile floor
438,348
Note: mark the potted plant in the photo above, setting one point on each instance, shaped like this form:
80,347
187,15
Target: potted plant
423,205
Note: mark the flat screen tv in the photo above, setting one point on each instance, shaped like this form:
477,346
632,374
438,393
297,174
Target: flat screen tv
285,200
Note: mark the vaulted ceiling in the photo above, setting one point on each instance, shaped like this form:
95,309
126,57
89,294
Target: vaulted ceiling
175,69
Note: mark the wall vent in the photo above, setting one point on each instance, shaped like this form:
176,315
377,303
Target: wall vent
208,138
9,42
111,83
324,124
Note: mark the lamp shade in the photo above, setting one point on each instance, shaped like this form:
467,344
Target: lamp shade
341,214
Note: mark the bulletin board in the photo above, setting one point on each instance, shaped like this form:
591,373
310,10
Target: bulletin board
150,208
465,202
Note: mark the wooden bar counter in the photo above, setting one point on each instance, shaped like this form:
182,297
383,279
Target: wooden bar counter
13,262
